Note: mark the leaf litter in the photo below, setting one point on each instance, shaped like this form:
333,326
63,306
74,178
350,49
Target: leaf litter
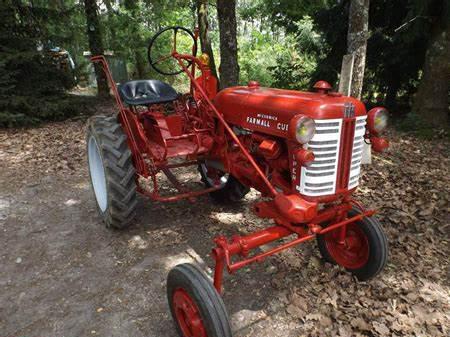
410,185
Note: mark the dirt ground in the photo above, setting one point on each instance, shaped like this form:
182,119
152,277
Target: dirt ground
62,273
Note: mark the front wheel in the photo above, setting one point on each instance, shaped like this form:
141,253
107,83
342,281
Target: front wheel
364,250
196,307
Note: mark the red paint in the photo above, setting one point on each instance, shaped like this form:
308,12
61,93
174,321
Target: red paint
259,173
304,157
244,105
379,144
350,251
322,87
345,155
371,119
187,314
242,245
253,84
247,130
294,208
208,82
269,148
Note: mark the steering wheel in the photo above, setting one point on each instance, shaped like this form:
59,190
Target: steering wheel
156,56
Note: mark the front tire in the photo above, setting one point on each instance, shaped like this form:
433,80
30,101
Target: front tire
364,251
196,307
111,171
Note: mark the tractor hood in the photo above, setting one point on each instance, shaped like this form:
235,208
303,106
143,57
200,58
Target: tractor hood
270,110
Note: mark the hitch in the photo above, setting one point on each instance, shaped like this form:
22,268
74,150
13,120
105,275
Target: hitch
242,245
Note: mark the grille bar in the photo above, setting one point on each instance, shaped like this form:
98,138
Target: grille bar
358,144
320,177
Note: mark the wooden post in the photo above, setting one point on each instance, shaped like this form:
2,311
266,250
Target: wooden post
358,33
345,87
345,80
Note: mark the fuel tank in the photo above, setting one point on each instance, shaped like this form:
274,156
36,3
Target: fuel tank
269,110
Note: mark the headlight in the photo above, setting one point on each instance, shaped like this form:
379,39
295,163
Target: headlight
302,128
377,120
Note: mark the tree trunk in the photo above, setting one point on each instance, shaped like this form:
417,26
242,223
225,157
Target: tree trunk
112,29
108,5
205,41
229,67
358,26
432,99
137,42
95,44
393,87
140,64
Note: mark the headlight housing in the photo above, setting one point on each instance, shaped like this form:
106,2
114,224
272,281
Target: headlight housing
302,128
377,120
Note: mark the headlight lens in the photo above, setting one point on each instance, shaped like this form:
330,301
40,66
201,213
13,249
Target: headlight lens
378,119
303,127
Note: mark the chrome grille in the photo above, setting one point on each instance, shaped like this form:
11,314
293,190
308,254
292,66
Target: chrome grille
320,177
357,152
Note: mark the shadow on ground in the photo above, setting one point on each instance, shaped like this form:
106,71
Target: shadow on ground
62,273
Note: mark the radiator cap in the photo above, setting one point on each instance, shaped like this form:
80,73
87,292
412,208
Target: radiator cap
322,86
253,84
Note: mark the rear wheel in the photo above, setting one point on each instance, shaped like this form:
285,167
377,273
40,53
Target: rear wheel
196,307
111,171
364,250
231,190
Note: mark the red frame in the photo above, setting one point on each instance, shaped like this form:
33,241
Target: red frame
284,207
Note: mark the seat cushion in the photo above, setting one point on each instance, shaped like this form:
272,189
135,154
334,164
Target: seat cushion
146,92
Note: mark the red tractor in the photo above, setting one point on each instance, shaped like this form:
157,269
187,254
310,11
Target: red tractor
301,150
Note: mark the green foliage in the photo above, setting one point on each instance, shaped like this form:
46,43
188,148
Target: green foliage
276,48
30,110
294,69
28,76
282,43
256,56
287,13
130,25
399,34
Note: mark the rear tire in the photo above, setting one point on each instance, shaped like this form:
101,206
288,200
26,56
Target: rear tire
196,307
232,190
111,171
369,253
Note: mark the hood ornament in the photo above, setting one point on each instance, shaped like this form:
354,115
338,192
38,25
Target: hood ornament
349,110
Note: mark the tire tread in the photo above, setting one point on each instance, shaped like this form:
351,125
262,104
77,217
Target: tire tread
119,171
372,227
205,295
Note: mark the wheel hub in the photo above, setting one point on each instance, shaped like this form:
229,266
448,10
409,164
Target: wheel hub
187,315
353,251
97,173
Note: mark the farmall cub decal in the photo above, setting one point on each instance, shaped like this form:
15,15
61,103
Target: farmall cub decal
267,121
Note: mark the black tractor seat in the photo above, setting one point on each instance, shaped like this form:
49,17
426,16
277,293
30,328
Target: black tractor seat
146,92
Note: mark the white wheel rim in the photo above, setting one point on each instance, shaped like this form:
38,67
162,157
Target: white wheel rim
97,172
223,179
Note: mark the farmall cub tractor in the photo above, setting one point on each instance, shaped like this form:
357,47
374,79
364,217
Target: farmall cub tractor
301,150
